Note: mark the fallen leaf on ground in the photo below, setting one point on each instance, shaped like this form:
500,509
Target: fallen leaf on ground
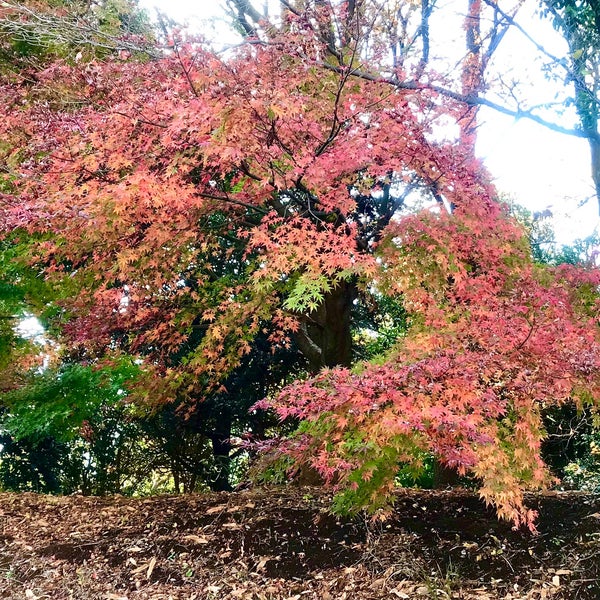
151,567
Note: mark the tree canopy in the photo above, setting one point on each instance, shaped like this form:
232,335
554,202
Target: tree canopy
201,205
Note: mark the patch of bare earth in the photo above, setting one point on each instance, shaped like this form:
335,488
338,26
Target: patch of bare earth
282,543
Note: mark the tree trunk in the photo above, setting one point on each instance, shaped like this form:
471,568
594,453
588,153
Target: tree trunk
444,476
325,336
594,142
175,473
471,76
221,446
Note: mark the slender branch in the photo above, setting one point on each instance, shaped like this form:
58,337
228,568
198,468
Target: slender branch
336,124
140,119
530,332
289,7
246,171
513,23
426,10
307,345
233,201
517,113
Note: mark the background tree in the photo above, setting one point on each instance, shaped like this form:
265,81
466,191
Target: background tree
579,23
66,430
33,33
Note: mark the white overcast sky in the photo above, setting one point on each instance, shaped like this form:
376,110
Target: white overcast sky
537,167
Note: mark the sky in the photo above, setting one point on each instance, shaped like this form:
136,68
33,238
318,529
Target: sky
530,164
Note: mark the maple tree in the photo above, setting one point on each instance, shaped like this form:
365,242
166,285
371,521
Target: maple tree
33,35
199,201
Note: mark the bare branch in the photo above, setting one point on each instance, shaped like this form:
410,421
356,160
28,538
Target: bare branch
471,100
513,23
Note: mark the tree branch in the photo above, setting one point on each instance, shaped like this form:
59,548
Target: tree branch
232,201
467,99
307,346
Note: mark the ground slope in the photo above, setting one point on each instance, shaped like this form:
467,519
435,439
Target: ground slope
282,543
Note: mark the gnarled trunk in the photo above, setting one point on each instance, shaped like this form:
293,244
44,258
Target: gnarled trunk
325,335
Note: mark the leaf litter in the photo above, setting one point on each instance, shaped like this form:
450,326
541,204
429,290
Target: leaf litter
283,543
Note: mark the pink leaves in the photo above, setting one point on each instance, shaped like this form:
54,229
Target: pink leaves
498,338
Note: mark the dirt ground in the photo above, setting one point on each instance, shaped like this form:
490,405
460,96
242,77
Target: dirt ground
282,543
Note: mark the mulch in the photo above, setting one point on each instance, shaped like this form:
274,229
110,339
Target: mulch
283,543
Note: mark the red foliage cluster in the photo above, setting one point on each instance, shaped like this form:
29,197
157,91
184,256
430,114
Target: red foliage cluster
495,339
